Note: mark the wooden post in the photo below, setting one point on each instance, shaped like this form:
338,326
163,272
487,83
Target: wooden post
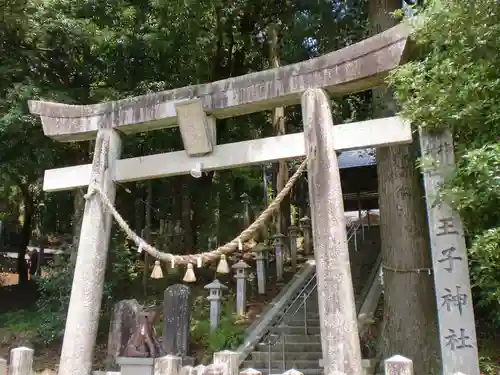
338,321
457,329
168,365
88,280
21,361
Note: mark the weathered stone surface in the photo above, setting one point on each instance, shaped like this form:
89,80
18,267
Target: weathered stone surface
122,324
168,365
136,366
354,68
337,311
176,320
88,281
21,361
459,350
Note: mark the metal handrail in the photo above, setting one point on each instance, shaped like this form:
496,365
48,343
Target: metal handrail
304,294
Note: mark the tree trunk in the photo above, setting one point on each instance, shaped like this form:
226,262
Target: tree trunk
410,323
278,118
25,236
147,236
186,215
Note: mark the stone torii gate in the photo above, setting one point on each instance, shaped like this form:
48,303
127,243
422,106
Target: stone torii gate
195,109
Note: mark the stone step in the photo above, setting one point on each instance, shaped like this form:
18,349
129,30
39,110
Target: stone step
290,363
277,356
311,314
299,322
312,308
301,337
291,346
296,330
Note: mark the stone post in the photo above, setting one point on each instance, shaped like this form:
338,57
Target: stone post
199,370
240,269
215,289
337,310
278,244
176,320
168,365
305,225
82,321
245,199
293,234
214,369
260,258
136,365
3,366
398,365
250,371
228,360
21,361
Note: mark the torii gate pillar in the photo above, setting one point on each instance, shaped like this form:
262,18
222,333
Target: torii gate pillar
88,280
338,321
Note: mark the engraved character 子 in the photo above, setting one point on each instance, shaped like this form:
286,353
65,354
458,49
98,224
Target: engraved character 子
446,226
453,341
458,300
448,257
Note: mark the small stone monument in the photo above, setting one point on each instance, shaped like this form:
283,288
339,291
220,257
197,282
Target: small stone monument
123,322
142,347
176,318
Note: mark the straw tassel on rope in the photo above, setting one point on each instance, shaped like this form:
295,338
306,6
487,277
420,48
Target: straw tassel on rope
229,247
189,277
223,267
157,271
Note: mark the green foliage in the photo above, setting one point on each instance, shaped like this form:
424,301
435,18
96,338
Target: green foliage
55,290
454,83
475,188
20,321
228,335
485,270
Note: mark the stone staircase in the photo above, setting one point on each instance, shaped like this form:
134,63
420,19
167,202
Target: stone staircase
293,338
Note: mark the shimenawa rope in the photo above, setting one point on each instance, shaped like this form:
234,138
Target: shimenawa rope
209,255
